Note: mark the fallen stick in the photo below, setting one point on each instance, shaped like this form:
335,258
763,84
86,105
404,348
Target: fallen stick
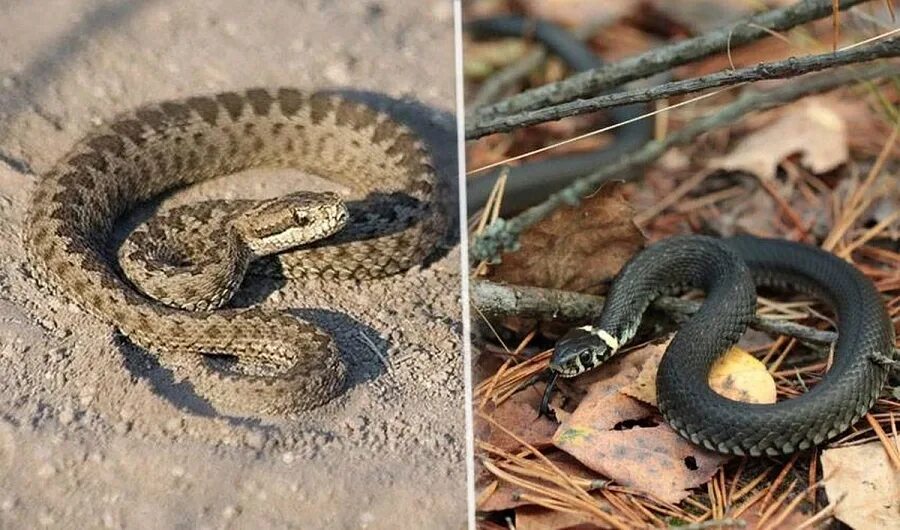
501,300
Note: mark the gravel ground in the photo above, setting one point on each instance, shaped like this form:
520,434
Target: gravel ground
93,432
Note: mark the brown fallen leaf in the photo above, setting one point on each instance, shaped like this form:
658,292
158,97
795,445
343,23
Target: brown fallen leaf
809,128
575,248
519,414
625,440
643,387
654,460
489,525
865,487
703,15
736,375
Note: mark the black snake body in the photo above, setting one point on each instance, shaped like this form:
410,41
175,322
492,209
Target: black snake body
728,271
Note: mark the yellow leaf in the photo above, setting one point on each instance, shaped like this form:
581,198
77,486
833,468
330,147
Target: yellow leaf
739,376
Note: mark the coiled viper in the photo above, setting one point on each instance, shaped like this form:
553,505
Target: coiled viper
279,363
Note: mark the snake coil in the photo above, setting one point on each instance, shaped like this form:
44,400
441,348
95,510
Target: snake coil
728,271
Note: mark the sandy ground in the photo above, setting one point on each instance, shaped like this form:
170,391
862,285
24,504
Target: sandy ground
93,432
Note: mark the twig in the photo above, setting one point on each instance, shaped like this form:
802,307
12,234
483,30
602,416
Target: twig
791,67
503,235
889,447
591,82
498,300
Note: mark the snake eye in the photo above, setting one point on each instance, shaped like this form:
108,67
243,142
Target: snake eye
301,219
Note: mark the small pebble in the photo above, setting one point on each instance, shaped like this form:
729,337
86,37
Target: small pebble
57,355
230,512
356,423
122,427
67,415
256,440
45,518
173,425
47,470
8,504
337,73
287,457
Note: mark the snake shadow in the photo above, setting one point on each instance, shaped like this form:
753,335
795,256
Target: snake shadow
361,347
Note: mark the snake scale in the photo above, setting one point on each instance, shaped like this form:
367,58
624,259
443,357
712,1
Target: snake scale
728,270
240,359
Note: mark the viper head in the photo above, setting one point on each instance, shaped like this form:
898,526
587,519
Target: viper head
292,220
580,350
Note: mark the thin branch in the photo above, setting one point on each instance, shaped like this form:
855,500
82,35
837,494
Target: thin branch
502,235
791,67
499,300
591,82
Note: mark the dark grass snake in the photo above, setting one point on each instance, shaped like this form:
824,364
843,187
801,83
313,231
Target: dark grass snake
728,270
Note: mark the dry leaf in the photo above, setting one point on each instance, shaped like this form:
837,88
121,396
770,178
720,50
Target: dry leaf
643,387
519,414
625,440
736,375
870,488
742,377
575,248
810,128
654,460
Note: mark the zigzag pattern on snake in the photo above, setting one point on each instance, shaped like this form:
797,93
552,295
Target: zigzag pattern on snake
282,363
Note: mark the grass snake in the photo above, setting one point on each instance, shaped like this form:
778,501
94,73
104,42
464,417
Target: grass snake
728,270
